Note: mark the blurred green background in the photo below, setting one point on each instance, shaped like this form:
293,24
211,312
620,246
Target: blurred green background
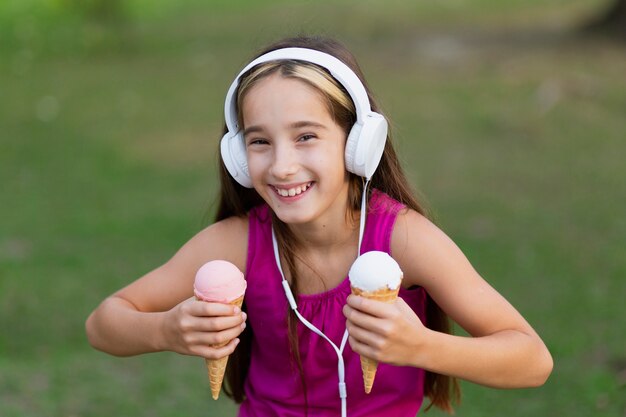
510,120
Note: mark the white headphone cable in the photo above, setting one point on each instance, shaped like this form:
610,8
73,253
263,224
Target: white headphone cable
363,215
343,393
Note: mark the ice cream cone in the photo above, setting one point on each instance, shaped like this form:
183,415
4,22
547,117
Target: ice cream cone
369,366
217,367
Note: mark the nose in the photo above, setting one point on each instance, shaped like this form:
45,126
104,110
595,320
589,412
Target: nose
285,162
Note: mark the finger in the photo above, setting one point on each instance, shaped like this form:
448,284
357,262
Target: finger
216,324
217,338
211,352
205,308
191,323
372,307
362,349
366,321
363,336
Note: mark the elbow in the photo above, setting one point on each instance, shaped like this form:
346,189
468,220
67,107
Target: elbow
542,369
546,369
94,335
97,330
533,370
90,331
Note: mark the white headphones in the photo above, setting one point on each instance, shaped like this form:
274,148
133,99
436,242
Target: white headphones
366,141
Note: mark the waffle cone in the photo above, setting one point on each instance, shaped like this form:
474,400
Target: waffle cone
369,366
217,367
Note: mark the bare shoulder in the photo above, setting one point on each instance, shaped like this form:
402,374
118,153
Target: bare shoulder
172,282
423,250
412,228
226,239
430,259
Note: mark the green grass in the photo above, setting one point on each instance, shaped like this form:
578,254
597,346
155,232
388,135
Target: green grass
512,127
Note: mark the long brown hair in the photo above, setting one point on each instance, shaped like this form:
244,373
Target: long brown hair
236,200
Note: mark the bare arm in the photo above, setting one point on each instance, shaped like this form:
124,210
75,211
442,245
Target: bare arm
504,351
158,312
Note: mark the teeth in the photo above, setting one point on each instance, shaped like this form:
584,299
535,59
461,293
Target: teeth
292,191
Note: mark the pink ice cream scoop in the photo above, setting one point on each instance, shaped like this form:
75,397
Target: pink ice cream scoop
219,282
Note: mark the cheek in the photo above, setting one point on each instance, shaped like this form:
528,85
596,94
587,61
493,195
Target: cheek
333,154
328,162
339,160
255,165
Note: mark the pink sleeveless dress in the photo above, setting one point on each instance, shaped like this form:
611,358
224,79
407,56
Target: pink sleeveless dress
273,386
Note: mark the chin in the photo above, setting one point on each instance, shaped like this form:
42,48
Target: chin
292,218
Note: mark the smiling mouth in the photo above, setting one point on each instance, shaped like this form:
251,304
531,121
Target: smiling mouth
294,191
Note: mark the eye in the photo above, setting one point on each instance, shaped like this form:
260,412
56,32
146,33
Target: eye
306,137
256,141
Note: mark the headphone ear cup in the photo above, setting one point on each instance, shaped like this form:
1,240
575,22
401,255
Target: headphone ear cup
351,147
233,151
365,145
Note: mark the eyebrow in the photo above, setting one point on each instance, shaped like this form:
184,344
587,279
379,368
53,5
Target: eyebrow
295,125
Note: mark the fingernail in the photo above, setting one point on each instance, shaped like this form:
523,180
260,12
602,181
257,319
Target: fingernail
237,342
243,325
244,316
237,310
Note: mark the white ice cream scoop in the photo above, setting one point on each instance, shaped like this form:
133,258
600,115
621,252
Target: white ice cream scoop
375,270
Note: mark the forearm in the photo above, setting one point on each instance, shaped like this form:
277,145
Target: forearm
507,359
118,328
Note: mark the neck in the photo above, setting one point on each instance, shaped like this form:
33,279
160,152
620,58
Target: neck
329,234
339,227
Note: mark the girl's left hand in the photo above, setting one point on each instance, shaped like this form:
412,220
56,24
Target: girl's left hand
386,332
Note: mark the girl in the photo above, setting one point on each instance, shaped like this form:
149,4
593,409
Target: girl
302,134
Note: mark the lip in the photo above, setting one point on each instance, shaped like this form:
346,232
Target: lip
291,192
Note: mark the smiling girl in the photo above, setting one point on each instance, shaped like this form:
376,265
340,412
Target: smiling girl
310,180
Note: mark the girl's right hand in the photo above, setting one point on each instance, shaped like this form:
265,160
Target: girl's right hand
204,329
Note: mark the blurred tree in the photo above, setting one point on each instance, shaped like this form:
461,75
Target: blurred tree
612,20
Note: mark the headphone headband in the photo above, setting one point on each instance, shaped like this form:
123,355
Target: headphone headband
340,71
